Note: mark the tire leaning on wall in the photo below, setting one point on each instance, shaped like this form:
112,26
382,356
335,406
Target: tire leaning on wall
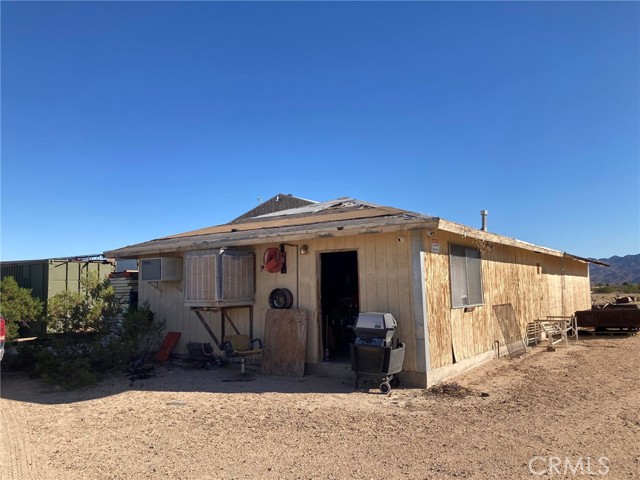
281,298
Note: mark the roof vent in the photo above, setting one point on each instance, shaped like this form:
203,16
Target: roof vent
484,214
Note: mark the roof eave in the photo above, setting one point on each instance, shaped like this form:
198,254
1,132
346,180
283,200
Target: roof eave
466,231
258,236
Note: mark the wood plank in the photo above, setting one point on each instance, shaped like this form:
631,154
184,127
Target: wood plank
404,302
370,302
381,273
285,342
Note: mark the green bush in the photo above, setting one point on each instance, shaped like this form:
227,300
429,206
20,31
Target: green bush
94,308
140,333
17,306
627,288
21,356
78,359
605,289
631,288
66,372
88,338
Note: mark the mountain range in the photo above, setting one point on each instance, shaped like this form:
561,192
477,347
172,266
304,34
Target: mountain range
620,270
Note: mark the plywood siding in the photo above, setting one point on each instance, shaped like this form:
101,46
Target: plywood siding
383,276
536,284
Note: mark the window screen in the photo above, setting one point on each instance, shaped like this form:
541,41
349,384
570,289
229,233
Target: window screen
466,276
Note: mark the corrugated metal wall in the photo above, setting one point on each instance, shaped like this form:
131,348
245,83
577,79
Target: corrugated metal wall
48,277
67,275
534,283
30,274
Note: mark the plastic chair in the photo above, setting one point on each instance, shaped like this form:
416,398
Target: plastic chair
241,347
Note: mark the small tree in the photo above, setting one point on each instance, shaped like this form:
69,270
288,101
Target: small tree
93,309
17,306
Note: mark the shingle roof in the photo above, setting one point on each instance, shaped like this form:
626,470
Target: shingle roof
340,216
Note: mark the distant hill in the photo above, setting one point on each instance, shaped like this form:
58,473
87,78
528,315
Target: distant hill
622,269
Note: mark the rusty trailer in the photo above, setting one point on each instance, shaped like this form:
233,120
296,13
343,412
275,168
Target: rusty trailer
616,316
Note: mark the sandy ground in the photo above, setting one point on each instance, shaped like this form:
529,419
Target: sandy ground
577,404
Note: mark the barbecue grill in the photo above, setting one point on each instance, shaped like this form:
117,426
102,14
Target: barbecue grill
372,353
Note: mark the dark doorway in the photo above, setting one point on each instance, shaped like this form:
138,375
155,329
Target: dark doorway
339,303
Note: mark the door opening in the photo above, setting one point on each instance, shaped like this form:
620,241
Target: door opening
339,303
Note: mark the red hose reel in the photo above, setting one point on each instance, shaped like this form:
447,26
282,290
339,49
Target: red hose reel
275,259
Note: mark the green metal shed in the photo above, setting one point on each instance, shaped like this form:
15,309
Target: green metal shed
47,277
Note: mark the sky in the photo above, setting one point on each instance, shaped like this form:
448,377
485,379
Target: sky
127,121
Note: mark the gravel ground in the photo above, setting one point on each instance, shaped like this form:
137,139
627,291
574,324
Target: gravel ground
508,419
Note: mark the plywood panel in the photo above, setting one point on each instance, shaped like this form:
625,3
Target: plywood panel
285,342
438,300
535,284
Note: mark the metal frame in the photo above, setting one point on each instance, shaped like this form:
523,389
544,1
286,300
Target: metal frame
224,317
561,325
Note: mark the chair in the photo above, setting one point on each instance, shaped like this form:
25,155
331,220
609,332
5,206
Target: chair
558,328
241,347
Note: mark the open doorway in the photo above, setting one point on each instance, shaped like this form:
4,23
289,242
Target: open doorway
339,303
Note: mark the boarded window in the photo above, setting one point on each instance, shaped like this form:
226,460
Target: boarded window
466,276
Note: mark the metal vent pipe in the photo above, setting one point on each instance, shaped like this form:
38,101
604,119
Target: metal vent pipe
484,214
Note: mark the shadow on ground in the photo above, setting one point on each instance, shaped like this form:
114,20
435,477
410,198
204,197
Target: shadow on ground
177,378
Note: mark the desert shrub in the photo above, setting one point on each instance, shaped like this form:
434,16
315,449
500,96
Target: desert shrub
141,333
79,358
626,288
21,356
630,288
94,308
68,372
88,337
17,306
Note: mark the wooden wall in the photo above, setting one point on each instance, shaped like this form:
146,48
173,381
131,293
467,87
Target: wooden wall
537,285
384,283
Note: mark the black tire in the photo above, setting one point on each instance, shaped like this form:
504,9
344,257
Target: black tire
281,298
395,382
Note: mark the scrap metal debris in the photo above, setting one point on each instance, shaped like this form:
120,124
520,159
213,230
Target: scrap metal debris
139,369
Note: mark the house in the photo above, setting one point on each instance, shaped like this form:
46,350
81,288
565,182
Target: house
438,278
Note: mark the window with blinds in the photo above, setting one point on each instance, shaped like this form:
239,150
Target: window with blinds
466,276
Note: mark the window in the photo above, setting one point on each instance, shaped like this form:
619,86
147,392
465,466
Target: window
466,276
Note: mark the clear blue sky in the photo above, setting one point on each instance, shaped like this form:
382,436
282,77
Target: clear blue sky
123,122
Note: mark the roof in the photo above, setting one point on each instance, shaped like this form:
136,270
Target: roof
276,203
343,216
94,258
339,217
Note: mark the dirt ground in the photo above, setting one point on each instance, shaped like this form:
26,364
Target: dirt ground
512,419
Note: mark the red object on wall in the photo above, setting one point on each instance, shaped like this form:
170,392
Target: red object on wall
274,260
170,341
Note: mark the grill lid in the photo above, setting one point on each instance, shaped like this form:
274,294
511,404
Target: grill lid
375,324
